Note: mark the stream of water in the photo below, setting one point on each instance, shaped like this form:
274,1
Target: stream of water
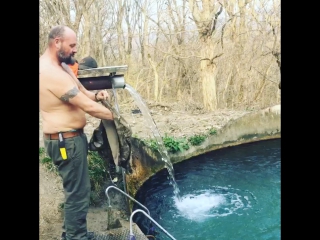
154,130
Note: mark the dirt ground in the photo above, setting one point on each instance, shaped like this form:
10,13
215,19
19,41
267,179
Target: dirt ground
171,120
168,119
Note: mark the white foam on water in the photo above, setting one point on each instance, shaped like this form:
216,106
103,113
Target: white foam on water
198,207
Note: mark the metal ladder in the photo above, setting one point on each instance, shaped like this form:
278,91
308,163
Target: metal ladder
132,237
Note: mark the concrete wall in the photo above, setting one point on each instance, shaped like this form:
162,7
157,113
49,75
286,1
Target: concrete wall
262,125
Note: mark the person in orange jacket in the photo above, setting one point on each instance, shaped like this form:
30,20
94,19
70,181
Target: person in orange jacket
85,63
74,67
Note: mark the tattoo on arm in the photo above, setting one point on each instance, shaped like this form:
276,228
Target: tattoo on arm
70,94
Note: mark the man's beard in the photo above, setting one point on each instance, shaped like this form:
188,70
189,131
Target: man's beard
62,57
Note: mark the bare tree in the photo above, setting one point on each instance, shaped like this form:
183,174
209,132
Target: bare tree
143,26
205,14
67,12
204,54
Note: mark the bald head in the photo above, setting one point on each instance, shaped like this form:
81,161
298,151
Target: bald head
63,41
60,31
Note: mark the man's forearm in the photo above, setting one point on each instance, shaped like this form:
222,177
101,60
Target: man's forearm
106,115
98,111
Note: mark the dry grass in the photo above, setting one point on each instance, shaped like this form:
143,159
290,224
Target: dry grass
51,196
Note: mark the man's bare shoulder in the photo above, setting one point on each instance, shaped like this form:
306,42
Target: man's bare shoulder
55,80
52,74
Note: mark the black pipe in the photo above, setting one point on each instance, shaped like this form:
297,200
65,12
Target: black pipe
102,82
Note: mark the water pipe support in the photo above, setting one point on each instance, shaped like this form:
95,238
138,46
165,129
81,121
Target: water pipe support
103,77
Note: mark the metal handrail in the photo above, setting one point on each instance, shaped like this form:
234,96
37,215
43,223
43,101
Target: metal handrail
125,195
148,216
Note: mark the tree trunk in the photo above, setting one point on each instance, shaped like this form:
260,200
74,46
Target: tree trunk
120,17
86,51
205,17
156,78
207,74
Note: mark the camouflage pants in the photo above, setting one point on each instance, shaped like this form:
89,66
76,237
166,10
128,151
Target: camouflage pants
76,183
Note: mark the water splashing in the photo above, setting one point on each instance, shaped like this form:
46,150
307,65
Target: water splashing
199,207
153,127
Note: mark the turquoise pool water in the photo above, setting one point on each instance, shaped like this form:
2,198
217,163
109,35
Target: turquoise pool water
231,193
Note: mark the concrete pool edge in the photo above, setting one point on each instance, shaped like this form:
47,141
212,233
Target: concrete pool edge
255,126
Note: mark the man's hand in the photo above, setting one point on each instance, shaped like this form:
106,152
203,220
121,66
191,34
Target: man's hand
102,95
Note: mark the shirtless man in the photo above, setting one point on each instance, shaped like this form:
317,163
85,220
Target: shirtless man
63,104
